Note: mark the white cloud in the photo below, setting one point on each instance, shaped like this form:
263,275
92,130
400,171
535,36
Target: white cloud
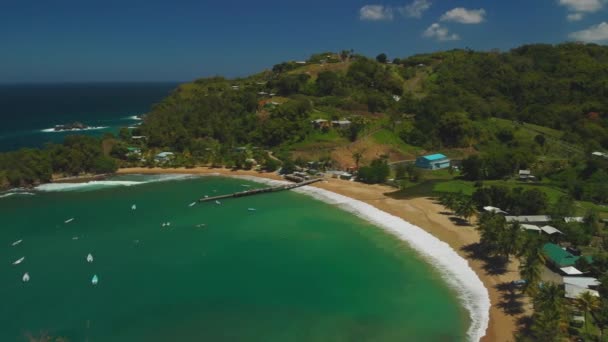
587,6
440,33
416,8
596,33
464,16
574,16
578,8
375,13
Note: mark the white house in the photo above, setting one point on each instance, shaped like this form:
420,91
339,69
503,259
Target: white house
164,156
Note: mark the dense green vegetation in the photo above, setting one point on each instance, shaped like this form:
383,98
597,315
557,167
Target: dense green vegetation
542,108
77,155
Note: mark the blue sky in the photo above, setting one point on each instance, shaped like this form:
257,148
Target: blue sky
151,40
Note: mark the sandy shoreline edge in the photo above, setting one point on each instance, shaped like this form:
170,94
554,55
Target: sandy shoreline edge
421,214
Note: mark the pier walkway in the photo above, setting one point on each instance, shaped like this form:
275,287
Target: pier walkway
260,191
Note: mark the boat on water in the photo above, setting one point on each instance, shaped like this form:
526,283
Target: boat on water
192,204
200,225
218,202
16,243
206,196
246,185
168,224
163,224
95,280
133,207
68,220
26,277
251,209
90,258
17,262
75,238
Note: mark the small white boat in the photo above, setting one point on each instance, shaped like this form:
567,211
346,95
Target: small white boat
26,277
251,209
16,243
206,196
133,207
90,258
163,224
218,202
192,204
95,280
68,220
17,262
168,224
75,238
200,225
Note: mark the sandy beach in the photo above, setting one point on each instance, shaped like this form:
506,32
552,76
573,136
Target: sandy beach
422,212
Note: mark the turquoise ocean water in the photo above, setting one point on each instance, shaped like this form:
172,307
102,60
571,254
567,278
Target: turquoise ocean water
295,269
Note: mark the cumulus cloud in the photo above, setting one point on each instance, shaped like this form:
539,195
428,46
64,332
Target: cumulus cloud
578,8
440,33
464,16
375,13
596,33
574,16
416,8
587,6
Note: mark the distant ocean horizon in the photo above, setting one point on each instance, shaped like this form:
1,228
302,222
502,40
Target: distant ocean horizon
29,112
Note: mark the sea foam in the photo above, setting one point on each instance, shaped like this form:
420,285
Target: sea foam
454,269
52,130
15,193
95,185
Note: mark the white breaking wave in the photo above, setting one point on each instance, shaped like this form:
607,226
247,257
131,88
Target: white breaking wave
96,185
8,194
52,130
134,117
454,269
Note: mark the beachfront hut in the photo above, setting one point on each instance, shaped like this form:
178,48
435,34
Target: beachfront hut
530,227
550,230
163,157
525,175
534,219
575,286
571,271
573,291
494,210
560,257
433,162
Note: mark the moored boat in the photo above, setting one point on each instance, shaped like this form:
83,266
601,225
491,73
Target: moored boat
16,243
17,262
90,258
26,277
95,280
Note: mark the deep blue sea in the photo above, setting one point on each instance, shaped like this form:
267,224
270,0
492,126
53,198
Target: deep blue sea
27,110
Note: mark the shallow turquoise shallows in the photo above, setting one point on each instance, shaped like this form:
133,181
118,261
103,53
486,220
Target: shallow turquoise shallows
293,269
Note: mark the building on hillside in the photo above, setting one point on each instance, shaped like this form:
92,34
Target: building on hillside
525,175
341,123
164,156
574,219
433,162
320,123
134,151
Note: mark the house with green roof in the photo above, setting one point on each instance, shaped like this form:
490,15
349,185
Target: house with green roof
561,257
433,162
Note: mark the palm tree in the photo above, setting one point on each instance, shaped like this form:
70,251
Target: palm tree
530,269
465,209
510,240
548,312
586,302
357,157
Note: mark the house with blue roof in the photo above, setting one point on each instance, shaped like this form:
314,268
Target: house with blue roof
433,162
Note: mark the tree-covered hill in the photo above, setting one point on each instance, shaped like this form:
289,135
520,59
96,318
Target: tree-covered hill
446,101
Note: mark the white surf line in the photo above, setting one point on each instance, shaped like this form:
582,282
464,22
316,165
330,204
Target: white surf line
454,269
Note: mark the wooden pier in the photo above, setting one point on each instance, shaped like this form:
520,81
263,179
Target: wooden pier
260,191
